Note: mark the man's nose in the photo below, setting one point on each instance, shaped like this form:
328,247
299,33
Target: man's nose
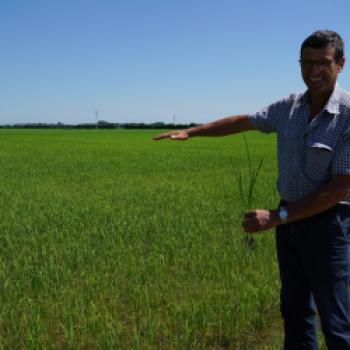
315,69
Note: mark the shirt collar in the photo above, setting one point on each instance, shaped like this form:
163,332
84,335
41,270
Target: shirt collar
332,106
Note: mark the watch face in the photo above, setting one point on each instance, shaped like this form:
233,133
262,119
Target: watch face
283,214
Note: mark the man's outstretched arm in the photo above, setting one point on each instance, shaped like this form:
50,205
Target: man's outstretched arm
220,127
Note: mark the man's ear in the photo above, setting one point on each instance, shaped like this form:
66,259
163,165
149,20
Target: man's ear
341,64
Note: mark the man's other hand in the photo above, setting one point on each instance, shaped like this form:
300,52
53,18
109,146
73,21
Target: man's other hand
260,220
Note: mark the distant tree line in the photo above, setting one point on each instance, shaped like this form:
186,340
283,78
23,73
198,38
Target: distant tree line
102,124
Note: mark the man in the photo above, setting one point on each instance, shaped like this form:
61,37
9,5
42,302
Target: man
313,218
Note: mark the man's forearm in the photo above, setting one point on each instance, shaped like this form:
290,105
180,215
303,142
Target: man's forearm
222,127
322,199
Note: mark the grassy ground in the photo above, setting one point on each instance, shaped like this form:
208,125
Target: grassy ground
109,240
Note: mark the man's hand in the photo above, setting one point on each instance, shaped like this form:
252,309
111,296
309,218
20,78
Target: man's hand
174,135
260,220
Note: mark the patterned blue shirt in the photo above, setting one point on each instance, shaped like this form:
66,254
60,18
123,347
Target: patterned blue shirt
308,153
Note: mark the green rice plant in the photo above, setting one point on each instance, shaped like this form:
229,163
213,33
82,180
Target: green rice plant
246,188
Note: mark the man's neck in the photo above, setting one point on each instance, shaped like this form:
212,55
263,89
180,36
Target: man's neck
317,102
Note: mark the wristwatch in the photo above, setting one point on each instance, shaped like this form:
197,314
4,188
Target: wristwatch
283,214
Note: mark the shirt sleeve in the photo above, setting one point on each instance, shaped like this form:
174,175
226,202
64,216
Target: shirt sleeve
270,118
341,161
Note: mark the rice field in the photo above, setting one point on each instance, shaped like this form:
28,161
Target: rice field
109,240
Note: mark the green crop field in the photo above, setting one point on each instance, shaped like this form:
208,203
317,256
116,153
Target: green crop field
109,240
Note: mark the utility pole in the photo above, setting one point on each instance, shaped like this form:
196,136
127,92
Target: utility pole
174,118
96,117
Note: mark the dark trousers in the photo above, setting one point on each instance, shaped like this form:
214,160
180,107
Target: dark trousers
313,256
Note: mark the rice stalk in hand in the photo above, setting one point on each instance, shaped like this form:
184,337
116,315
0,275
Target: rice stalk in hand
246,191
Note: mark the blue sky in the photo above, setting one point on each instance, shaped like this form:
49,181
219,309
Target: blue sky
144,61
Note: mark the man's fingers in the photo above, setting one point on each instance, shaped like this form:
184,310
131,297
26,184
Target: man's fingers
250,226
174,135
162,136
249,222
171,134
250,214
257,220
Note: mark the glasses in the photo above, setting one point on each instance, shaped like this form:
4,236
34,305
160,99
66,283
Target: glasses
321,65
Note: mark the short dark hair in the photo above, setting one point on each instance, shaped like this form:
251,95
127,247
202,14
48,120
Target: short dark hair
325,38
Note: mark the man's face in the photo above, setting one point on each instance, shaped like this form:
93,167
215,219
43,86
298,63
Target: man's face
319,69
